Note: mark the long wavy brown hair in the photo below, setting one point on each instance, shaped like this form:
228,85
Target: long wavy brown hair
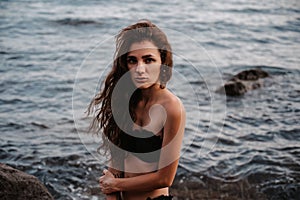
104,123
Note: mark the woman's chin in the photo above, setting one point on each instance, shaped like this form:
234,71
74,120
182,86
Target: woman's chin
144,85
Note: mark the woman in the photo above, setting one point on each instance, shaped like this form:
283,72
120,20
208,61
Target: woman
141,121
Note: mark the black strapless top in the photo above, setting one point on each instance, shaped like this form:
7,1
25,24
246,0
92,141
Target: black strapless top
143,144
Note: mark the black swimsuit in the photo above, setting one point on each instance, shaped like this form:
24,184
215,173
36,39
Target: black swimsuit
143,144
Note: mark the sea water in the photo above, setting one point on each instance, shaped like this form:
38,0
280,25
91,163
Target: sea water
54,55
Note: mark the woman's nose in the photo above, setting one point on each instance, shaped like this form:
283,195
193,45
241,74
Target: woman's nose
140,68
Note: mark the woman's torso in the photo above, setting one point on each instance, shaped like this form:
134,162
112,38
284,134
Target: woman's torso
150,119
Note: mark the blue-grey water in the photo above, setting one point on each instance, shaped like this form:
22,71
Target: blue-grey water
53,54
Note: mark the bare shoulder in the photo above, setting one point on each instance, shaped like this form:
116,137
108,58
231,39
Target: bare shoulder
175,121
173,104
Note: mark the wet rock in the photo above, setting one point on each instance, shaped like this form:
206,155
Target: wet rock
15,184
209,188
250,75
242,82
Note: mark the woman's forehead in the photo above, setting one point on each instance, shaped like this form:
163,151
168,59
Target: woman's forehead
144,45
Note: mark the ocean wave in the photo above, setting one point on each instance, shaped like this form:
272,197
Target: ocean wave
78,22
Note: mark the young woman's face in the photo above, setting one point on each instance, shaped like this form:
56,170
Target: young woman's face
144,61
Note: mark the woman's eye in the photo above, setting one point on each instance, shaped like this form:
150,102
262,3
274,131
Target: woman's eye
149,60
131,61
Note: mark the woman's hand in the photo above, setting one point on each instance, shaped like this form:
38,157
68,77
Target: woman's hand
107,182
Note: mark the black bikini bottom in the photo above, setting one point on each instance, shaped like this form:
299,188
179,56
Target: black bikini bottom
162,197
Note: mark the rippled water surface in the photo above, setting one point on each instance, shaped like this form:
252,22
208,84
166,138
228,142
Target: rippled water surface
55,51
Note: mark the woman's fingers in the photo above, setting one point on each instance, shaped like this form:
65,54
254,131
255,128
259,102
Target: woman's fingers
108,173
105,182
101,179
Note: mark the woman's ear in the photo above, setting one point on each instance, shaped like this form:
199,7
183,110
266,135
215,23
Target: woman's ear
164,76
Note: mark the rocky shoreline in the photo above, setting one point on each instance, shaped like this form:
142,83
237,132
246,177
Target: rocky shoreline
15,184
206,188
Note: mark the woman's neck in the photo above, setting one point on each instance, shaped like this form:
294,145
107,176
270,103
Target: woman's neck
150,93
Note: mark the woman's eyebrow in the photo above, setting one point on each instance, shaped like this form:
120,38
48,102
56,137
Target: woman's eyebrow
130,56
147,56
143,57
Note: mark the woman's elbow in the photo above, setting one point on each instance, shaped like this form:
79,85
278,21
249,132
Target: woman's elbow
165,182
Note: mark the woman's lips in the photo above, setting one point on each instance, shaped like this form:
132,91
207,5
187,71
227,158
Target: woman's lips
140,79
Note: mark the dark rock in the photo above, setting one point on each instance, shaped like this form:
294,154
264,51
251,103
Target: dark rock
242,82
209,188
250,75
17,185
233,88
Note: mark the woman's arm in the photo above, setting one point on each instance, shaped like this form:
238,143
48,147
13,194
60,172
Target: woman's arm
147,182
164,176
